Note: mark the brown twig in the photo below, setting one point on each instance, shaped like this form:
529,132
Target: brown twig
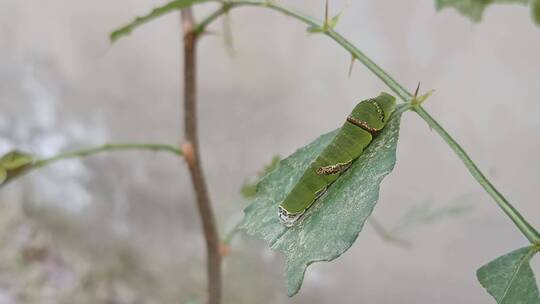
211,236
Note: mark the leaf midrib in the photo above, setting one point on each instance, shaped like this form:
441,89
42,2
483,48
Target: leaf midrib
530,253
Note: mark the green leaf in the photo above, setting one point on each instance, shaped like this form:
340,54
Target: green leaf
15,159
321,29
334,21
249,189
315,29
331,226
13,164
510,279
156,12
473,9
535,11
3,175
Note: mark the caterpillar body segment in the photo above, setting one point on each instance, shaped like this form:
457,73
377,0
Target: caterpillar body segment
365,121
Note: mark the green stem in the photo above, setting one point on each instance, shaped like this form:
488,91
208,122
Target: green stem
528,231
532,235
106,148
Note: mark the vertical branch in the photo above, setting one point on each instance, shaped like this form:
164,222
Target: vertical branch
193,159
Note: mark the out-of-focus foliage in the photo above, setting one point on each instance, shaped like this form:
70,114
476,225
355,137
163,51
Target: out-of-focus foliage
535,9
510,279
474,9
426,214
332,225
415,216
192,300
249,189
13,164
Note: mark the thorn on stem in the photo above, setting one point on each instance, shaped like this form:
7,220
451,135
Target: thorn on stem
227,35
353,59
417,89
418,100
326,20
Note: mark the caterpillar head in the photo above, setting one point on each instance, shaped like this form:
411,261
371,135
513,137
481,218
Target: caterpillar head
374,113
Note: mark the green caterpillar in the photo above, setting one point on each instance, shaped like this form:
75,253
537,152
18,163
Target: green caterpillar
366,120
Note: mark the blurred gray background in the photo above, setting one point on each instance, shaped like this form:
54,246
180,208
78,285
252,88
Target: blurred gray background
123,228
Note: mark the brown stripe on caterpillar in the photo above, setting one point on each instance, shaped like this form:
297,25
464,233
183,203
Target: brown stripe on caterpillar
333,169
380,111
362,124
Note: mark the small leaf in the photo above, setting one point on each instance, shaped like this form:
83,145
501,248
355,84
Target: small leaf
418,100
249,189
157,12
535,10
15,159
3,175
510,279
334,21
271,166
473,9
331,226
14,164
315,29
321,29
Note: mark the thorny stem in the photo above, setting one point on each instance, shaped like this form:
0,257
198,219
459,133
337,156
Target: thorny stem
532,235
106,148
528,231
190,37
